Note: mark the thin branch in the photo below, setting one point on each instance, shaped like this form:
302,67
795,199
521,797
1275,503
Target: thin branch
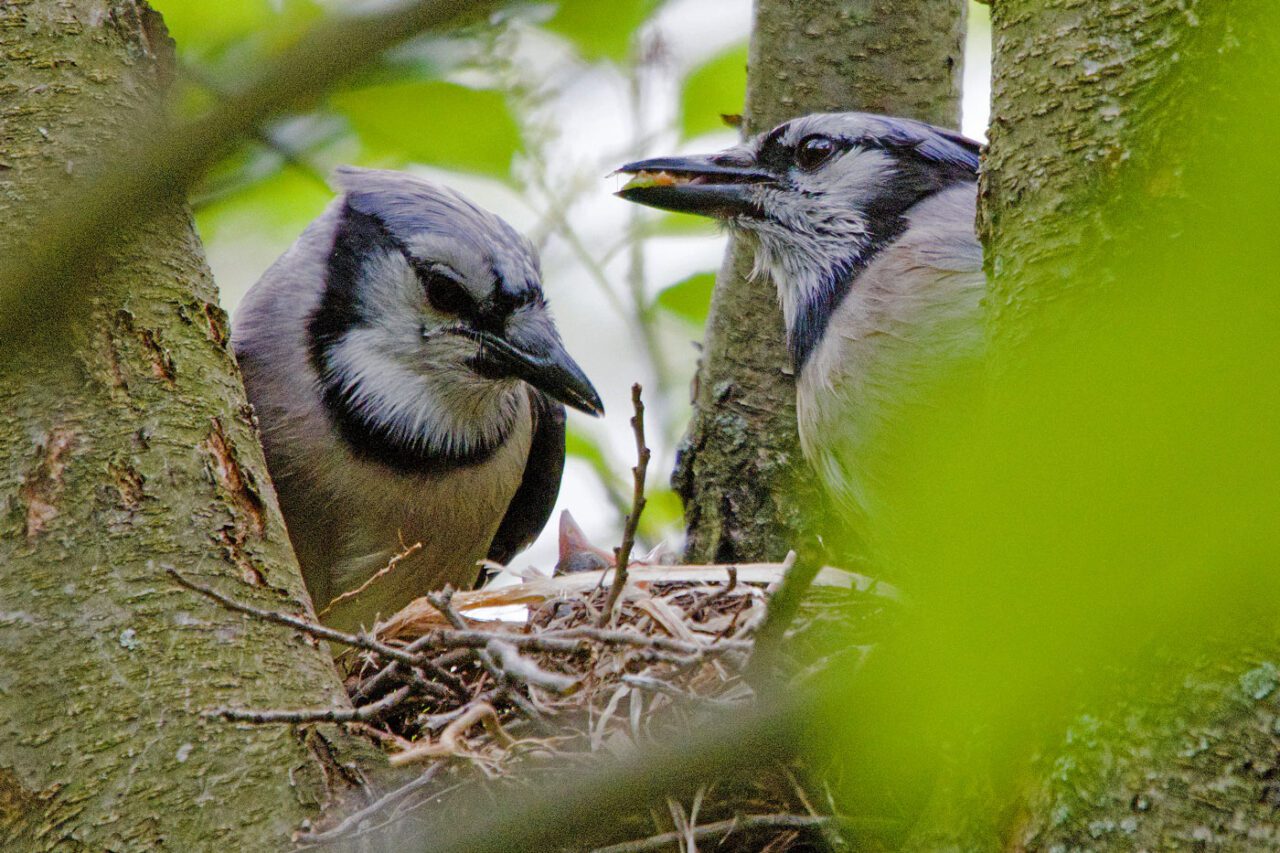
623,554
441,601
323,715
513,665
156,163
451,743
352,821
780,612
358,641
744,823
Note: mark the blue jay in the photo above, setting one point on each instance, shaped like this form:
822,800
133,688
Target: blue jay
866,225
408,380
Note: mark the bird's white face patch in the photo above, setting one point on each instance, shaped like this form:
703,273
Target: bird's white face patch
407,367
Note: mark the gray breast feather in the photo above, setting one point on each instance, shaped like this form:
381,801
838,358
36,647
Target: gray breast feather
540,485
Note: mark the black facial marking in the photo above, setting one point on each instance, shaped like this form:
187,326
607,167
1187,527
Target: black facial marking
359,236
914,179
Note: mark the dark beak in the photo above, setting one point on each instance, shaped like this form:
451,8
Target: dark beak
547,367
695,184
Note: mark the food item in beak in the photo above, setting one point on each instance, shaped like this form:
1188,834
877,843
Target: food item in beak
654,179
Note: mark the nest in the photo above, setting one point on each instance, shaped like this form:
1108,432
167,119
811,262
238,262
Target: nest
592,662
514,701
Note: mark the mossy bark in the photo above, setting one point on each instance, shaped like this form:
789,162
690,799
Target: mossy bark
1096,114
126,446
748,494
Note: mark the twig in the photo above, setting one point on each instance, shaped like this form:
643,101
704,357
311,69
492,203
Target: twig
716,830
514,666
358,641
323,715
657,685
352,821
451,743
623,554
441,601
380,573
781,610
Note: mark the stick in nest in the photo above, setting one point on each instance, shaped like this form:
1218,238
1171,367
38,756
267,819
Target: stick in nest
451,743
623,554
378,575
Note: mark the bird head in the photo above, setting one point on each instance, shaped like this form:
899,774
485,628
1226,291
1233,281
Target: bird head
432,317
821,194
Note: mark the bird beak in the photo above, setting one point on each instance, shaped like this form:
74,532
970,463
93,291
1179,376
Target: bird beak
695,184
546,366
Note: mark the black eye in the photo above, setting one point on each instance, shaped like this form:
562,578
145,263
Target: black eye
813,151
444,292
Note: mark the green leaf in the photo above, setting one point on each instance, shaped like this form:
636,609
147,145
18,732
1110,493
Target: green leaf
718,87
204,29
663,514
434,123
597,34
682,225
689,299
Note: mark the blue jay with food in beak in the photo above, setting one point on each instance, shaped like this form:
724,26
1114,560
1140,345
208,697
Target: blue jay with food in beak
409,385
866,225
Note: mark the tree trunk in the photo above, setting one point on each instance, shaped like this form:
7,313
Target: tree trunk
747,492
1096,116
126,446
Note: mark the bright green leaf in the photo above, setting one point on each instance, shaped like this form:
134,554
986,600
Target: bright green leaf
204,29
716,88
689,299
663,514
434,123
600,34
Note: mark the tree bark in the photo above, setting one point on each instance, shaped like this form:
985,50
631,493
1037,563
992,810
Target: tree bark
127,446
1096,115
747,492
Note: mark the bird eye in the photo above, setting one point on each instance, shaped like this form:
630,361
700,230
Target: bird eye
445,294
813,151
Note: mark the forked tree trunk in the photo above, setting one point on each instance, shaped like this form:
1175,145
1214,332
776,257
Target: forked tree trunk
747,491
126,447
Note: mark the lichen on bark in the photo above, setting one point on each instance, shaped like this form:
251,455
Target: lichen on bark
747,492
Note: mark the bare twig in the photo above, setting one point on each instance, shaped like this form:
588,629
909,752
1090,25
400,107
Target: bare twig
361,714
783,606
378,575
707,831
357,641
441,601
352,821
623,554
451,742
508,658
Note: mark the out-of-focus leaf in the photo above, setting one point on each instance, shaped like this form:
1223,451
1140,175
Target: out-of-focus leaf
433,122
285,202
663,514
718,87
689,299
203,29
681,225
600,33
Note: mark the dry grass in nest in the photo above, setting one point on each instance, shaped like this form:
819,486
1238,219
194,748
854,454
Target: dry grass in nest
601,663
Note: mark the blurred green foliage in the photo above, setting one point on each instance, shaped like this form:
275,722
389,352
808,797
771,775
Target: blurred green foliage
437,122
689,299
716,88
601,31
1113,509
